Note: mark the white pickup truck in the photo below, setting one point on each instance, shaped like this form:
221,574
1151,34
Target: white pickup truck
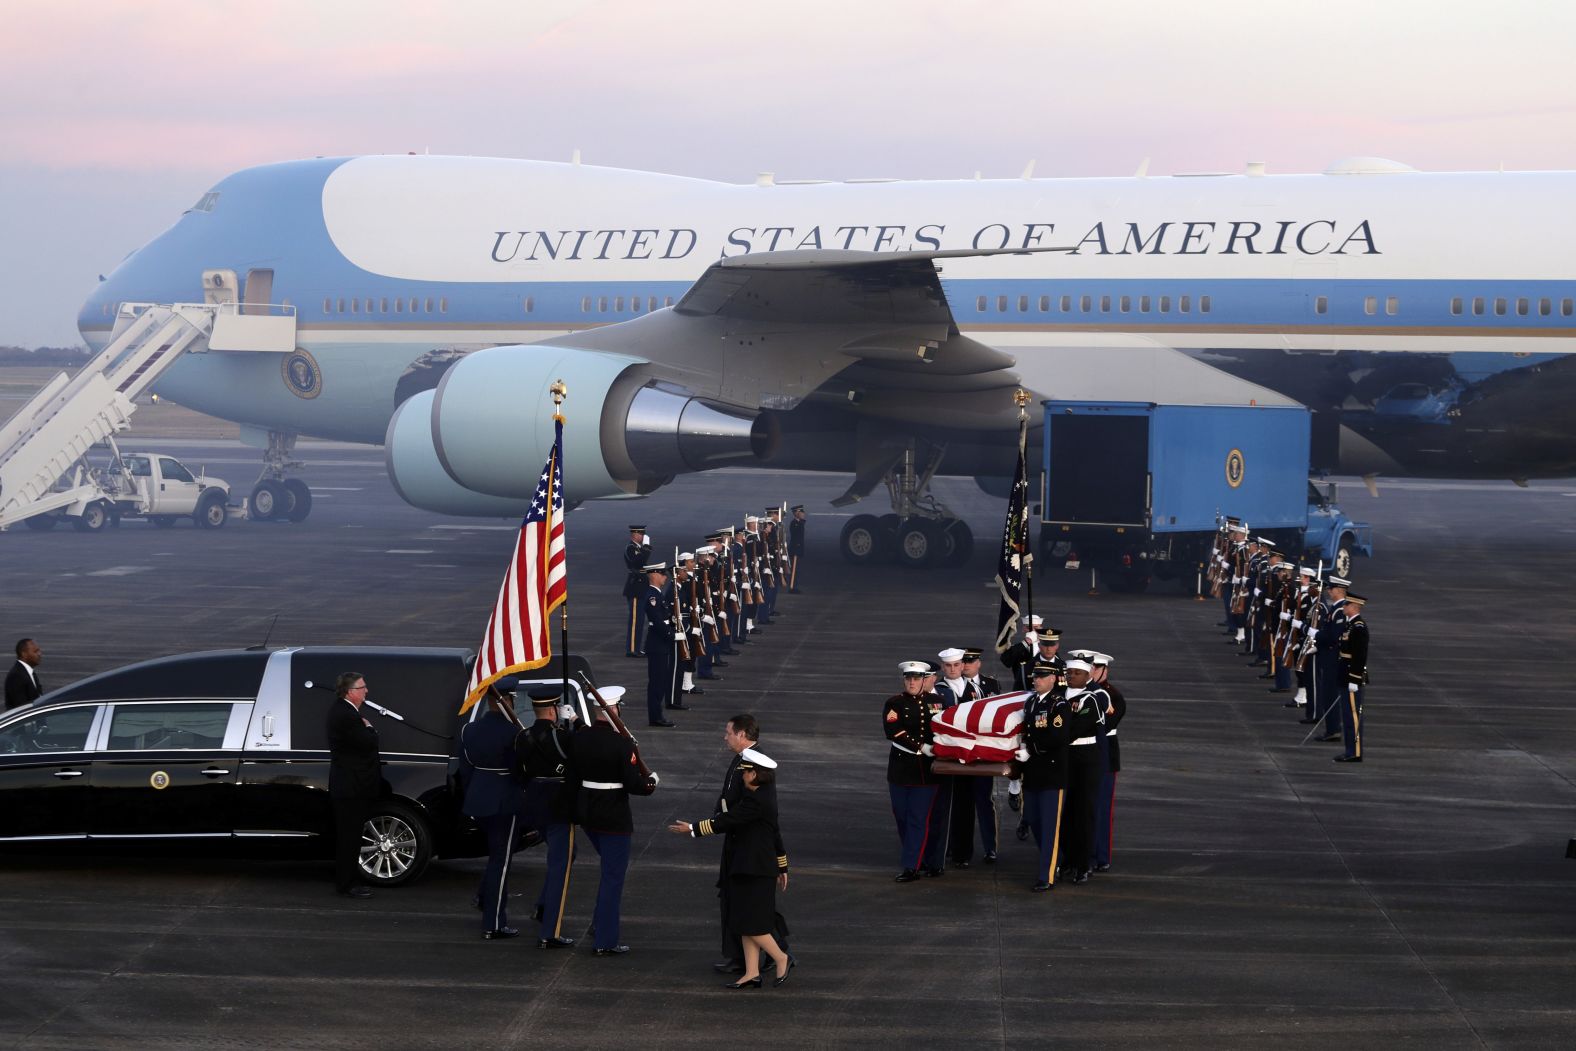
143,485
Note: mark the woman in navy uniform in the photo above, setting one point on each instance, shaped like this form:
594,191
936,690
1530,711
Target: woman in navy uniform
757,866
605,771
494,795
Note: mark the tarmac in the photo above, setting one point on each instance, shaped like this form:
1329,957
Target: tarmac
1260,893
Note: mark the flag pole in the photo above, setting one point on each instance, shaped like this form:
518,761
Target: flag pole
560,392
1021,396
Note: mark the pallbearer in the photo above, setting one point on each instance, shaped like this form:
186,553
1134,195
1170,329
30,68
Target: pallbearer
1354,676
1086,711
1043,760
905,719
542,750
1111,763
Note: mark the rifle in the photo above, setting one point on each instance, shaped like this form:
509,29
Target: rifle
618,724
1315,616
680,633
708,608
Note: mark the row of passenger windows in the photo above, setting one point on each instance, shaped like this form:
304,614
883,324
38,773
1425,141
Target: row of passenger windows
1088,304
602,304
385,305
1502,306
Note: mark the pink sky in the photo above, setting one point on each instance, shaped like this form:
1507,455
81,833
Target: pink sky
116,114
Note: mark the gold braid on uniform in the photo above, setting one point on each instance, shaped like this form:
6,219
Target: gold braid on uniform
705,828
782,863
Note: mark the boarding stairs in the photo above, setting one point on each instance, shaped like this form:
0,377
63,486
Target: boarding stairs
51,435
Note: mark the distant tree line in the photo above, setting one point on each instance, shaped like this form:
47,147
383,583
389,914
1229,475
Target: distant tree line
44,355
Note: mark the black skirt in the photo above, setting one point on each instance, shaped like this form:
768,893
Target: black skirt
752,904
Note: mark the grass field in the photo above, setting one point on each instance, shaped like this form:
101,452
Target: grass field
162,420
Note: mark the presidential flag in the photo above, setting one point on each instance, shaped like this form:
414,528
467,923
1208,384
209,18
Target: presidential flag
517,637
1014,546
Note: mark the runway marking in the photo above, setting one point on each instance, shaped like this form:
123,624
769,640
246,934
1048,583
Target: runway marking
119,571
435,565
468,528
337,488
408,551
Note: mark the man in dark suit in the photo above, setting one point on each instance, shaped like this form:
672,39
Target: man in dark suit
795,548
494,796
606,772
21,684
355,778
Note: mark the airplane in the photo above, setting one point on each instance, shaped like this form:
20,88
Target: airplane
871,327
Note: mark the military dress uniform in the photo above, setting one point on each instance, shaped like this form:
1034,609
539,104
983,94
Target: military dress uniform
1110,766
542,750
1326,663
1353,680
658,608
905,719
495,797
1047,726
1086,710
605,773
635,557
795,549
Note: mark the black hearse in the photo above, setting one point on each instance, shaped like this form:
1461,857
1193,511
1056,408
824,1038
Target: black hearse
229,745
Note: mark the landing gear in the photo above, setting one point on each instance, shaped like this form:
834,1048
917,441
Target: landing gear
921,531
276,498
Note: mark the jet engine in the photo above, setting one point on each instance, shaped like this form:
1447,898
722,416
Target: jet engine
479,440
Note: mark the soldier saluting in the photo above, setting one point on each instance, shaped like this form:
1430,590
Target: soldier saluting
636,555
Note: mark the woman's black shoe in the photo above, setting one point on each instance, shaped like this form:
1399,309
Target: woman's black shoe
753,983
781,979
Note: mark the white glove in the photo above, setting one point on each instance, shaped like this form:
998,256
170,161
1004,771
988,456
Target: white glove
1297,624
708,620
645,539
1285,616
655,780
1022,755
926,750
1314,634
1352,687
1032,639
696,632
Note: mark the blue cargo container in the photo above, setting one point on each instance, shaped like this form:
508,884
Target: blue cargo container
1140,488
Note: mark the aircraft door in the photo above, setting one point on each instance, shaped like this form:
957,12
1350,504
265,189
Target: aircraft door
259,292
1315,282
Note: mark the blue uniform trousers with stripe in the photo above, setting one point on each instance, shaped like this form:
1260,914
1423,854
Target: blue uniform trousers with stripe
1043,807
613,849
499,830
912,806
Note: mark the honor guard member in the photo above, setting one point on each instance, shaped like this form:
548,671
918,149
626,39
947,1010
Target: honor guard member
606,773
1285,612
1019,657
724,603
686,627
659,643
494,796
795,548
1307,596
1110,762
714,619
1266,623
1258,558
636,555
749,597
769,553
954,689
906,721
1327,680
1085,714
1042,760
542,751
983,793
939,839
699,618
1354,678
740,594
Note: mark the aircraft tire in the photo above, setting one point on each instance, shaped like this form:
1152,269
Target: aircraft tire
268,501
863,541
919,543
957,542
300,500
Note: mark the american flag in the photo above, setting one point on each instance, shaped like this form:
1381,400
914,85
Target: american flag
1014,545
985,730
517,636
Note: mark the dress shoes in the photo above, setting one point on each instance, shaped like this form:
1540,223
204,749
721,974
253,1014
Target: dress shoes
1103,868
715,663
617,950
1267,675
636,654
710,678
554,943
1040,887
781,979
1309,721
990,857
1080,877
1023,833
961,863
1329,737
662,722
907,876
501,932
693,691
753,983
1281,689
359,892
678,706
1014,802
1348,759
536,914
933,871
728,966
1290,704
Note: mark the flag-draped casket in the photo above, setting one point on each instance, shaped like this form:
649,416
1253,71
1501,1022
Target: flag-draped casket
985,730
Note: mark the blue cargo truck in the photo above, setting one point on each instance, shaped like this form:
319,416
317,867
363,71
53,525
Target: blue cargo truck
1136,490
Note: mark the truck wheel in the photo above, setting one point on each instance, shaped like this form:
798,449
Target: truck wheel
212,513
268,501
396,845
42,523
300,500
919,543
93,518
1343,558
957,542
162,521
860,540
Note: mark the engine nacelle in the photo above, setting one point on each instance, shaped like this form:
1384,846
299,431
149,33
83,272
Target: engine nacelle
489,426
420,479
